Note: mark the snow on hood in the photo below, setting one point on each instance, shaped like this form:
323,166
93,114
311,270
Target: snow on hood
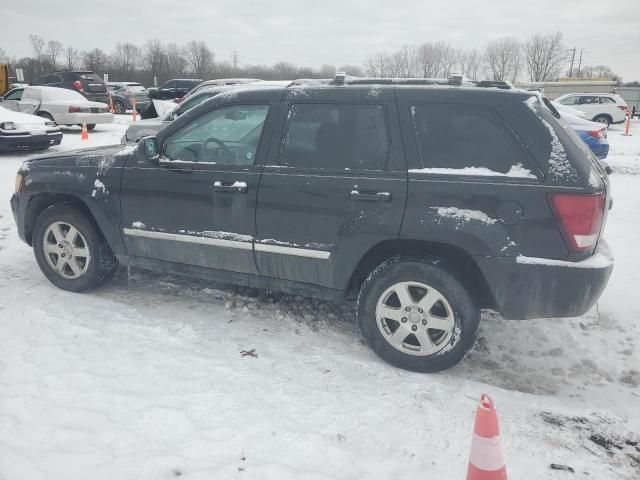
20,118
164,106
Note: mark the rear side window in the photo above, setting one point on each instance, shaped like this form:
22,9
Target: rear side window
335,136
607,100
463,139
587,100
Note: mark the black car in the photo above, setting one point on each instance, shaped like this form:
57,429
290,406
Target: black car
173,89
88,83
425,203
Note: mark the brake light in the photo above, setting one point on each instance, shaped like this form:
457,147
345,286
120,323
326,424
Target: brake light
580,218
595,134
74,110
177,100
78,86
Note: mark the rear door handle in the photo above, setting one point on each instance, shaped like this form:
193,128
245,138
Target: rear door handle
357,195
230,187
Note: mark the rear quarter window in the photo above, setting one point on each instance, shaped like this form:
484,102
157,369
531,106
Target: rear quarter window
467,140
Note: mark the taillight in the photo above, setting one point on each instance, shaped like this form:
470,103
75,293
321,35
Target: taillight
580,218
78,86
624,108
177,100
595,134
74,110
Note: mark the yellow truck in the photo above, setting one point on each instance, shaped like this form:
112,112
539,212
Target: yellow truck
5,86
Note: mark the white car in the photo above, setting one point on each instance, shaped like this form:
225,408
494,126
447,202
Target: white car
20,132
605,108
63,106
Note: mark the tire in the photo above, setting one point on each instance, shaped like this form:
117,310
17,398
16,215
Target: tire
606,119
91,126
45,115
99,263
454,309
119,107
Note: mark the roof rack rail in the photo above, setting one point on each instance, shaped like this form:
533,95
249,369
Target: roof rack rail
493,84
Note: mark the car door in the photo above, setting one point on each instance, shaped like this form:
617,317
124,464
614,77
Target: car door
11,99
197,205
30,101
333,186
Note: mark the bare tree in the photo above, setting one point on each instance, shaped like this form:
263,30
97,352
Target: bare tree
200,58
155,57
125,59
435,59
377,65
471,64
71,58
176,61
54,49
353,70
503,59
37,43
95,60
544,55
3,56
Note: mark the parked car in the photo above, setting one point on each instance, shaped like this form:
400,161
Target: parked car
150,126
602,108
63,106
12,97
220,82
424,203
173,89
20,132
592,133
86,82
124,93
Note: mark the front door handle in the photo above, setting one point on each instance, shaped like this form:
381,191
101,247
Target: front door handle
357,195
230,187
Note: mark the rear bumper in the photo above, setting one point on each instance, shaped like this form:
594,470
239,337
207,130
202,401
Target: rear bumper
21,143
77,118
526,287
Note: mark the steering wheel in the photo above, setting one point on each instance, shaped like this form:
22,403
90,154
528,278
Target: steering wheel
227,151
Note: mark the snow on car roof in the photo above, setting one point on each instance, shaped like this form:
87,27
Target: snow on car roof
55,93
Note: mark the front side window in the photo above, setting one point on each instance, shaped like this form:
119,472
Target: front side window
339,136
226,136
467,140
569,101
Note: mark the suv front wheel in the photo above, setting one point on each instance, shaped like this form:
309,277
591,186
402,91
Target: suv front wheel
415,315
70,250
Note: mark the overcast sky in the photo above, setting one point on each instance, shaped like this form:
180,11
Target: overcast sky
336,32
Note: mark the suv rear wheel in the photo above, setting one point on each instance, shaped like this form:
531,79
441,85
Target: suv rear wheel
119,107
606,119
415,315
70,250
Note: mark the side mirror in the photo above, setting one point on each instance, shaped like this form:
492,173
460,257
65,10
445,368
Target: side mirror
148,149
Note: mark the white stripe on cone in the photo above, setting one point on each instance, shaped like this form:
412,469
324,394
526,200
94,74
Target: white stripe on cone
486,453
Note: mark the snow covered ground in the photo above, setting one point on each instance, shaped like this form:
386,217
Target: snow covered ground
158,377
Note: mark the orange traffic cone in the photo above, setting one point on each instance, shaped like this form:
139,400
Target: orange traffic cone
85,132
111,109
486,461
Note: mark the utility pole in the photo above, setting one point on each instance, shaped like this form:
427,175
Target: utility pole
234,59
573,57
580,63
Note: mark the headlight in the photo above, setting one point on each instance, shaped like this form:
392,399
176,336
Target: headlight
19,183
8,126
51,124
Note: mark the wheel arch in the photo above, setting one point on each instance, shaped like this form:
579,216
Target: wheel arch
39,202
456,260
